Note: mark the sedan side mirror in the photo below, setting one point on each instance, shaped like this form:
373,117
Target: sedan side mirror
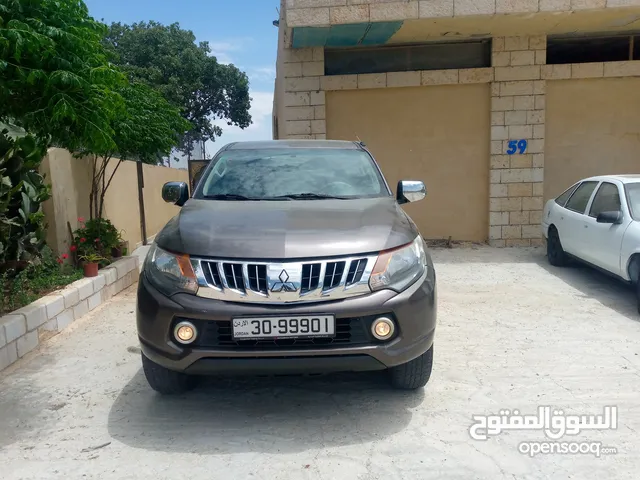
176,193
411,191
610,217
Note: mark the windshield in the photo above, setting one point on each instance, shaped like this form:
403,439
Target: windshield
311,174
633,197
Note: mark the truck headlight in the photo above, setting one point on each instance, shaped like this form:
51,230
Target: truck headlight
398,268
169,272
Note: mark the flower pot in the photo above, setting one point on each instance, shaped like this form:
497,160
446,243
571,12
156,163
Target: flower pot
116,252
90,269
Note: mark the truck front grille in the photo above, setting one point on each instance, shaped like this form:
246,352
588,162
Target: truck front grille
287,282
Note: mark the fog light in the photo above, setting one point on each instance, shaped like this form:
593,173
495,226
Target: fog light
383,328
185,333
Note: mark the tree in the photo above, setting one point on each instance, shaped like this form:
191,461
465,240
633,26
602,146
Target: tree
55,78
146,129
167,59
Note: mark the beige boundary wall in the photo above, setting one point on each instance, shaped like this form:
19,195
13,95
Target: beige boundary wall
518,82
70,180
413,143
593,126
23,330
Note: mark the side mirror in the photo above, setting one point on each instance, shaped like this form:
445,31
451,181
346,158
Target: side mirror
610,217
176,193
411,191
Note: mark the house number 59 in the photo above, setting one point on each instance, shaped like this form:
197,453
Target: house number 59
517,146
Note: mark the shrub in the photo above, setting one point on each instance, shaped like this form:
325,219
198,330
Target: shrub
22,191
39,278
94,241
98,235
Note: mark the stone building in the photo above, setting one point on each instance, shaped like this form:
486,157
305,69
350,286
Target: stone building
497,105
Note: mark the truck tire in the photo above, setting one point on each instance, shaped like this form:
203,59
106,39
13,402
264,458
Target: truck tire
165,381
413,375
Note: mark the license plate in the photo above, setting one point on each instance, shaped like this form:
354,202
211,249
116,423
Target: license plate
284,327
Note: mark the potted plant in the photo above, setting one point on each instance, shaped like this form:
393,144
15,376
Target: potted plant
118,250
97,236
91,263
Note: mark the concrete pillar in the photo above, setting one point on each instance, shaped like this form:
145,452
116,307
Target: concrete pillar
517,113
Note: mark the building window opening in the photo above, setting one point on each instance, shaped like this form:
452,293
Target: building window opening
612,48
407,58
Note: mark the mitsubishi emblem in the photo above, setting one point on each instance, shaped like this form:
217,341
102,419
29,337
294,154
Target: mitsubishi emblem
284,285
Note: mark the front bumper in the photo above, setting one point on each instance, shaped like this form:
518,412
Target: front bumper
415,312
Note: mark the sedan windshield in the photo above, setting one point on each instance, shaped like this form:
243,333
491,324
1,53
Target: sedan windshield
633,197
292,174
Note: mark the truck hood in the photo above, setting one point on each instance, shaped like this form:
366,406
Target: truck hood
287,229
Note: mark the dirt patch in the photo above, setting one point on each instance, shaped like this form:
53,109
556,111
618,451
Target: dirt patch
449,243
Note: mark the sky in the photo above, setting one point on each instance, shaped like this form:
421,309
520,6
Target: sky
240,32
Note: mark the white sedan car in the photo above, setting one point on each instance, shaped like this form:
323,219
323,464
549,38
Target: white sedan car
597,221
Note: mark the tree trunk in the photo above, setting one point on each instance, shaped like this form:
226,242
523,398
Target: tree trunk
97,180
105,187
92,193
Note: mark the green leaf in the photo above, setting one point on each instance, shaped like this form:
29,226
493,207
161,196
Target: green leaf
55,72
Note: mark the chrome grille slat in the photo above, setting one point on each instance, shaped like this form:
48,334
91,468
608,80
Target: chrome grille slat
343,277
323,272
222,276
310,280
245,277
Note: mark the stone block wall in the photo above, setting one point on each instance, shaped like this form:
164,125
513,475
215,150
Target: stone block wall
337,12
517,113
304,96
23,330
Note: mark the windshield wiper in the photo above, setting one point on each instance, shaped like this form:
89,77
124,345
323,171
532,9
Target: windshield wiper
311,196
228,196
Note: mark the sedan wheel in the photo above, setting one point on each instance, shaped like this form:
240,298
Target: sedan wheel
555,252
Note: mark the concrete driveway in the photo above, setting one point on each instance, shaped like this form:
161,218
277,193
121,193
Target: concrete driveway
513,334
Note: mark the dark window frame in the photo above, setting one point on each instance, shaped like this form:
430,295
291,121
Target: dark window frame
634,214
429,56
597,47
584,212
595,197
569,191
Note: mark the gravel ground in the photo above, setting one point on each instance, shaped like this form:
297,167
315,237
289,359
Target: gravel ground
513,333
